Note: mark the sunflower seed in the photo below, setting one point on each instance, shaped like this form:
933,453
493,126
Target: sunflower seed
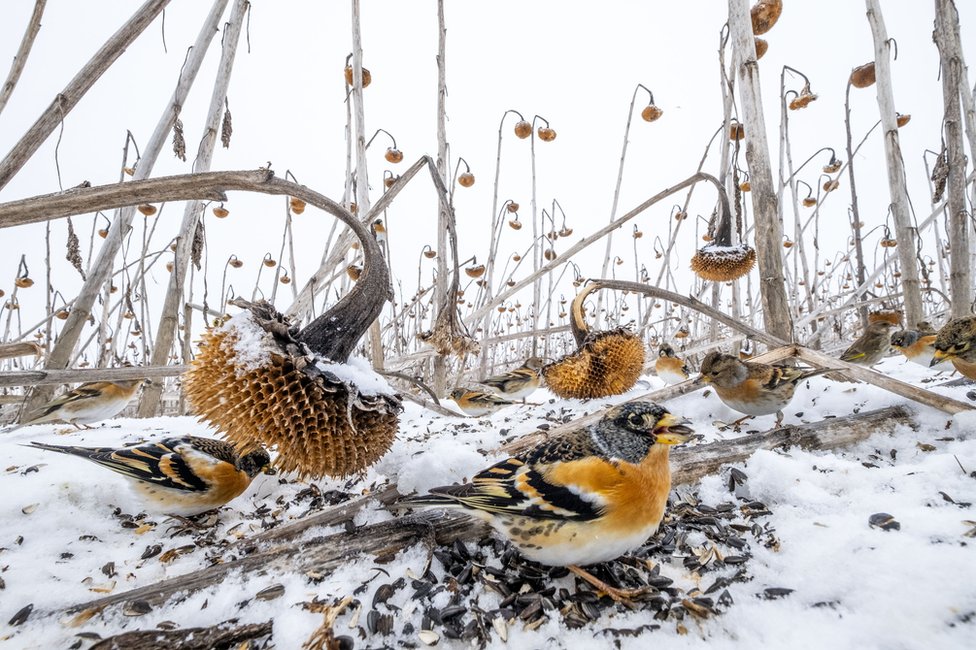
136,608
428,637
22,615
270,593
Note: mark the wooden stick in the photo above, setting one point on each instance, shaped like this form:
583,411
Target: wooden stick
769,229
20,59
914,393
946,36
101,270
900,209
74,375
77,87
324,554
222,635
22,349
173,300
692,463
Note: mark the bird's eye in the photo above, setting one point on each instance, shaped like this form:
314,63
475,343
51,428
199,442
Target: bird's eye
634,420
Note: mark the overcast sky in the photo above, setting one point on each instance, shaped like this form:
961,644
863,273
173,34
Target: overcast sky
574,63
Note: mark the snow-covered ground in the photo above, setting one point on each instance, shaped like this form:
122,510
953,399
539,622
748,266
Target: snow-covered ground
73,532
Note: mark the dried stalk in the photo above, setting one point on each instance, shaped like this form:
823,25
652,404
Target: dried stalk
23,349
68,98
900,209
443,298
855,210
769,230
102,268
58,377
172,304
20,59
950,52
585,242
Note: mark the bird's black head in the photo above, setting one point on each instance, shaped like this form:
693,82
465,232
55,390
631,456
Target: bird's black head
255,462
648,418
904,338
665,351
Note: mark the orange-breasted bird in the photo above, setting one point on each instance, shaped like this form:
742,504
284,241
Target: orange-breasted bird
917,345
90,402
583,498
669,366
956,341
518,383
750,387
477,403
179,476
872,345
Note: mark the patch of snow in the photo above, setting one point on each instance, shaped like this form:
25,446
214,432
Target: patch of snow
252,345
358,372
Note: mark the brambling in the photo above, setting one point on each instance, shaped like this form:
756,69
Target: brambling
956,341
750,387
670,367
518,383
477,403
916,345
90,402
872,346
179,476
582,498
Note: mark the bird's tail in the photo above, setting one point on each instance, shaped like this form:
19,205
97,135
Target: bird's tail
63,449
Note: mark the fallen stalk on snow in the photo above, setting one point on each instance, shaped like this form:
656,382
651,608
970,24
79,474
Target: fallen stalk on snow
323,554
222,635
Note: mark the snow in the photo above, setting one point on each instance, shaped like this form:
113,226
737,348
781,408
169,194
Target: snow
358,372
252,344
853,585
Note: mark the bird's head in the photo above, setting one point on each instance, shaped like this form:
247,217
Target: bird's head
534,363
255,462
722,369
648,418
904,338
665,351
955,339
458,393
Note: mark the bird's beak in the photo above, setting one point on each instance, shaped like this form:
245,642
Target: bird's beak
672,431
699,380
939,357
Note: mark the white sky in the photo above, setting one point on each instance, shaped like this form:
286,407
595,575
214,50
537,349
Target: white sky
573,63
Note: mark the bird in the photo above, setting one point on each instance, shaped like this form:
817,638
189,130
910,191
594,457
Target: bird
518,383
670,367
90,402
956,341
750,387
180,476
582,498
917,345
477,403
872,346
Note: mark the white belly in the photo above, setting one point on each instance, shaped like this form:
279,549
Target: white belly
82,413
671,377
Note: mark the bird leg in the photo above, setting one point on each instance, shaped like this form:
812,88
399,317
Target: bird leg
738,423
618,595
188,523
